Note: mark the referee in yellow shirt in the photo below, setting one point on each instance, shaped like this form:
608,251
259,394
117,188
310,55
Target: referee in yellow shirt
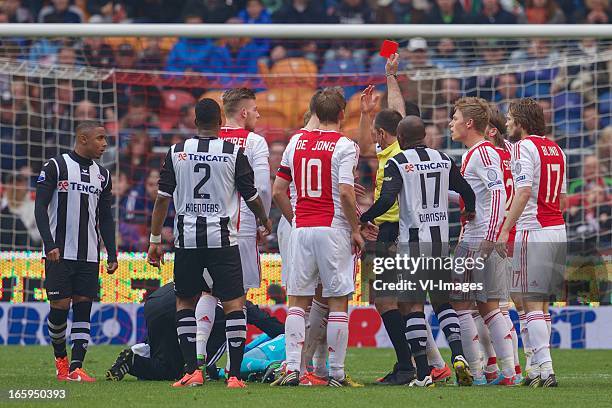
378,136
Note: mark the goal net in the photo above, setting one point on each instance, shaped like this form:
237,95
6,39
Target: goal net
143,91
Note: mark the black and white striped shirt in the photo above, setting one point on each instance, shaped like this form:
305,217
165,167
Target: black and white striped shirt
73,198
204,176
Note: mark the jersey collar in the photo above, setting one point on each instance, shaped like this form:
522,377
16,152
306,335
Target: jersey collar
80,159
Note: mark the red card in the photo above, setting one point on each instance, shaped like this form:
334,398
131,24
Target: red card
388,48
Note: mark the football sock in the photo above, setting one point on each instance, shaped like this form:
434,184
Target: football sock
56,323
469,342
517,362
540,342
525,338
434,358
295,328
337,342
205,318
395,326
548,321
79,333
235,332
501,338
416,334
315,332
186,328
486,344
449,323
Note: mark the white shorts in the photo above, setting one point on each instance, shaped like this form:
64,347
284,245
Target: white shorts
249,258
283,234
538,264
325,253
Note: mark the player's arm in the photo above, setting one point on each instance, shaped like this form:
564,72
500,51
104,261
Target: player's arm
459,185
279,192
263,320
395,100
167,185
491,175
348,155
261,170
368,104
391,187
245,184
45,187
107,224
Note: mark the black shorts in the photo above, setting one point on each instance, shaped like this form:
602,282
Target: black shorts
386,247
67,278
223,266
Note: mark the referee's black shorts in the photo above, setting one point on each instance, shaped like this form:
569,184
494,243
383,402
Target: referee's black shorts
67,278
388,232
223,270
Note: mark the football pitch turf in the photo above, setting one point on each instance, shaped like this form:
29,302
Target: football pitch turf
585,378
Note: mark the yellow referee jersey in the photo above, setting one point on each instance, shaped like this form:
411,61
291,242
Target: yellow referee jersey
393,214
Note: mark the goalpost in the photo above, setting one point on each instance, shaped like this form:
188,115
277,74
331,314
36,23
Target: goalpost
567,67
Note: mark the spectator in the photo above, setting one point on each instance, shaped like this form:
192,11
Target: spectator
97,53
277,294
546,105
60,12
191,54
506,90
493,13
255,13
104,11
421,91
344,63
433,137
542,12
12,140
449,90
417,54
277,148
17,198
591,177
590,128
447,55
217,11
354,12
44,51
597,12
237,55
590,221
540,54
67,56
446,12
399,12
604,150
152,57
85,110
16,13
186,123
59,121
138,117
301,12
138,158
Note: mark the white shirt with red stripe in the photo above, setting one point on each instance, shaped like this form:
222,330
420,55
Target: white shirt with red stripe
540,163
257,153
317,162
482,169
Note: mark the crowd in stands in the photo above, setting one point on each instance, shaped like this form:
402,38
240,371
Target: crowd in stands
37,118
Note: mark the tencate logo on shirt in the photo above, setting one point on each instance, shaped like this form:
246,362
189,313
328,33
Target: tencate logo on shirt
64,185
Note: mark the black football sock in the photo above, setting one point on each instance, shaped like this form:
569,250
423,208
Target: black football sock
235,331
56,323
186,328
416,334
79,333
395,326
449,323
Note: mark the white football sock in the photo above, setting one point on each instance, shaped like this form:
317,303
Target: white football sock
501,340
337,340
205,318
295,328
434,357
489,355
540,342
469,342
517,362
525,338
548,321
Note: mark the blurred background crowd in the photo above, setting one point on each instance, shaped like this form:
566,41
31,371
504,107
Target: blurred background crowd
146,102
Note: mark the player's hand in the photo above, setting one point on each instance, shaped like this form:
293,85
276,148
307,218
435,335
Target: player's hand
369,231
486,247
267,228
502,244
360,191
368,100
53,255
468,215
392,64
357,242
155,256
111,267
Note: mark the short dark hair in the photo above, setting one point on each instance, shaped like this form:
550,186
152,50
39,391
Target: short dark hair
387,120
232,98
498,121
86,126
328,104
527,113
412,109
208,114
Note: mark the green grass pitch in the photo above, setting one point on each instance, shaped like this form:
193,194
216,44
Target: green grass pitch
585,378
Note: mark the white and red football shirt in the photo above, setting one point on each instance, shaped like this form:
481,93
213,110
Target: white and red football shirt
482,169
540,163
506,162
317,162
256,151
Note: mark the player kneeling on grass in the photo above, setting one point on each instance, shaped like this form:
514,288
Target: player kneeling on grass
160,357
72,193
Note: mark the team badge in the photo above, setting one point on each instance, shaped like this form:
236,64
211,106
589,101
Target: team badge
409,167
517,168
491,175
62,185
182,156
42,177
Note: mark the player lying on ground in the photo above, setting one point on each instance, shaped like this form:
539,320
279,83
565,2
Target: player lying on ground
160,358
73,209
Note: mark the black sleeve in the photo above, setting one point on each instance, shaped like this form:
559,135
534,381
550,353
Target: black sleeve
457,183
107,223
167,178
244,176
392,185
263,321
45,187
